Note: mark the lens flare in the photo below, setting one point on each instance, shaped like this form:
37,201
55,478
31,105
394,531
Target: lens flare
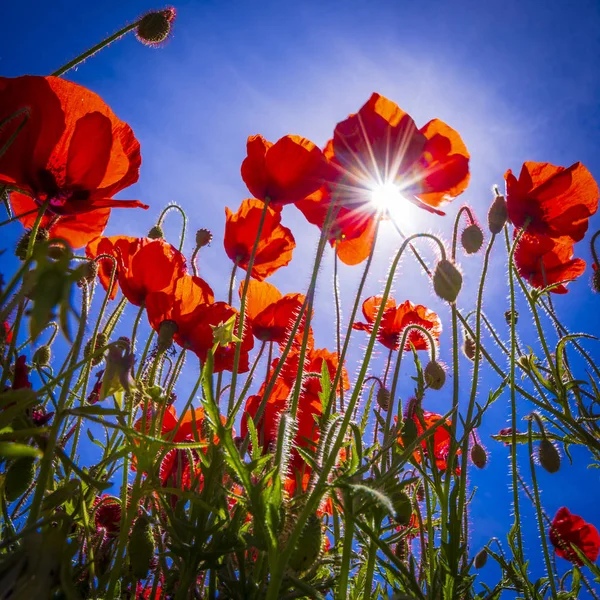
385,196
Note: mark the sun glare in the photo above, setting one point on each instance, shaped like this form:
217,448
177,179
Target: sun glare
386,196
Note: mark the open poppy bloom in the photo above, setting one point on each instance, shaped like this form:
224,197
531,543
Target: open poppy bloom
569,530
542,261
5,333
284,172
396,319
275,245
70,150
143,265
107,515
270,313
553,201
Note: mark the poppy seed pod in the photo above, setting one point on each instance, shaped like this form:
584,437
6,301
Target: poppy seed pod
383,398
435,376
156,233
447,281
41,357
141,547
154,28
478,456
548,456
166,332
472,238
42,235
497,215
203,238
308,546
596,281
481,559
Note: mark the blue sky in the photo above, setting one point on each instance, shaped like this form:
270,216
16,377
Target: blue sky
517,79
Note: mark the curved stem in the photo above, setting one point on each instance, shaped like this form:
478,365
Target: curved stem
162,216
461,210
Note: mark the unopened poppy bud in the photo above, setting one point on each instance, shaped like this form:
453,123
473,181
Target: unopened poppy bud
478,456
88,271
497,215
41,357
402,507
101,341
60,252
596,280
42,235
481,559
548,456
435,376
472,238
447,281
141,547
154,28
469,347
308,546
420,492
156,233
19,476
203,238
166,331
401,550
510,316
383,398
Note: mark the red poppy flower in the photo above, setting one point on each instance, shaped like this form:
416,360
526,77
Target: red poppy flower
5,333
557,201
143,265
271,315
569,530
396,319
440,439
542,261
71,150
284,172
276,241
107,514
21,376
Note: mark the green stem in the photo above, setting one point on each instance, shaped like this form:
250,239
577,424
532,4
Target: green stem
338,318
342,586
161,218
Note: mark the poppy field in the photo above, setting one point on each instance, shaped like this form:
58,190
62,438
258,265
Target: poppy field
160,439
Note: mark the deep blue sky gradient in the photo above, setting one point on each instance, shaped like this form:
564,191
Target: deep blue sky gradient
518,79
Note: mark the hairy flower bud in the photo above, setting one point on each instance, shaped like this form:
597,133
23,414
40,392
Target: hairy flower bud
511,315
596,280
101,341
478,456
420,492
42,235
308,546
18,478
469,347
447,281
203,238
154,27
472,238
481,559
497,215
156,233
41,357
401,550
435,376
383,398
141,547
548,456
166,331
402,507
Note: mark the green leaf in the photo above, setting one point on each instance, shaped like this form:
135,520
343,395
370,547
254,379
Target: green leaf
14,450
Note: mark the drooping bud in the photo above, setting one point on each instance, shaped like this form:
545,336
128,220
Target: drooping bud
203,238
41,357
60,252
469,347
510,316
472,238
154,27
383,398
435,376
596,279
548,456
447,281
478,456
141,547
481,559
308,546
42,235
156,233
18,478
402,507
101,341
89,270
498,215
166,332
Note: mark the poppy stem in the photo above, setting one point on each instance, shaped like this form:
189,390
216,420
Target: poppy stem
73,63
463,209
338,318
16,217
159,223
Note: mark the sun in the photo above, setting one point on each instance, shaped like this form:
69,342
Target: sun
386,196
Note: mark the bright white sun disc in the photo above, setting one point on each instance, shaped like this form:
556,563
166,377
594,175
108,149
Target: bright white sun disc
385,196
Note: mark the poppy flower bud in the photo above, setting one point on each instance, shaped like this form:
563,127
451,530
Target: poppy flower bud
41,357
548,456
60,252
19,477
154,28
472,238
156,233
141,547
88,271
401,550
478,456
43,235
511,315
203,238
101,341
308,546
166,331
383,398
497,215
402,508
469,347
481,559
435,376
447,281
420,492
596,280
